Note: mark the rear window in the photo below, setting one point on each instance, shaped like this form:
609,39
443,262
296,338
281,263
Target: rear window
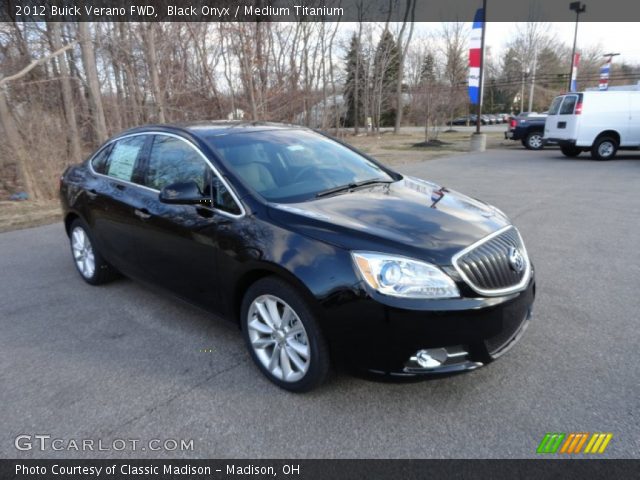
124,155
555,106
99,161
568,105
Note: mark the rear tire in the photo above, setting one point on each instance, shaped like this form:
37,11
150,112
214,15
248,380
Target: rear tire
283,337
533,141
91,266
570,151
604,148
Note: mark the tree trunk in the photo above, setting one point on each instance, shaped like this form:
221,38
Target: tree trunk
17,146
67,93
152,59
411,5
91,71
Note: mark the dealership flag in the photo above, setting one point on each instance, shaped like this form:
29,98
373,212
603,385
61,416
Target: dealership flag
604,75
574,72
475,53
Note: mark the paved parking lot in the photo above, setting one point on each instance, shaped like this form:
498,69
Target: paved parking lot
127,362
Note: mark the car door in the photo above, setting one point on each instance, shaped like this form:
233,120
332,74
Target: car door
567,119
634,119
113,197
553,127
179,245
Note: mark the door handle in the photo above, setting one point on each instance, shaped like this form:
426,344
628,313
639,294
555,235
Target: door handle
142,213
119,186
92,194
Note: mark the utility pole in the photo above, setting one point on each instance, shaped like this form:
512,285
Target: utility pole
533,78
522,89
579,8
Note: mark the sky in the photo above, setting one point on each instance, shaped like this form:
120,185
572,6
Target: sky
617,37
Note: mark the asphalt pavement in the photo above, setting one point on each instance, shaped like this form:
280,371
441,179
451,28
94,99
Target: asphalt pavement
124,361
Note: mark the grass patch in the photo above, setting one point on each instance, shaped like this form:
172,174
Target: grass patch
17,215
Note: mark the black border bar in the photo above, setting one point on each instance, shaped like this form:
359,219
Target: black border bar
325,10
323,469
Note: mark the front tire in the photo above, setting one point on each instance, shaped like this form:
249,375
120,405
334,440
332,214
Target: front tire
533,141
570,151
91,266
283,337
604,148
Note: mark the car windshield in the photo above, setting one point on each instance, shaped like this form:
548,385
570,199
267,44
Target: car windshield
287,166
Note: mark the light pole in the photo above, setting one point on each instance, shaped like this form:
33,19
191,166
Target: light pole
533,78
579,8
481,80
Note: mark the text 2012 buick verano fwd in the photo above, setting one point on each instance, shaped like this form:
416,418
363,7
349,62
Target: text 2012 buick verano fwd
318,252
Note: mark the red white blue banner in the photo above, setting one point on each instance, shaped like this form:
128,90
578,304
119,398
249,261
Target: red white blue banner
604,75
475,55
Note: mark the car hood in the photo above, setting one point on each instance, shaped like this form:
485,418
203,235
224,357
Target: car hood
411,217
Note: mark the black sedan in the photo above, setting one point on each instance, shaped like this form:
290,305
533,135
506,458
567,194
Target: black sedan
314,249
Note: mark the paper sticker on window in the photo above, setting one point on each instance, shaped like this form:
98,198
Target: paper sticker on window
123,159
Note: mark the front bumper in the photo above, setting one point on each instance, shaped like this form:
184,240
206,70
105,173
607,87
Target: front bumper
386,340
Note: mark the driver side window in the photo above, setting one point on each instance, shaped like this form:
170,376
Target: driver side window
172,160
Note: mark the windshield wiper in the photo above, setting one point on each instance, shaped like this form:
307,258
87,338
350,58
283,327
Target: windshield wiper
351,186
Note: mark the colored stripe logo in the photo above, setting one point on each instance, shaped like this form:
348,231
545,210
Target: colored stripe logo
573,443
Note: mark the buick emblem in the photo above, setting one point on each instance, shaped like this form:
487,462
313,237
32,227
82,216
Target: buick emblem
516,260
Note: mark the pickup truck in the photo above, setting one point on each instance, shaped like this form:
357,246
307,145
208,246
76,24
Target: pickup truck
527,127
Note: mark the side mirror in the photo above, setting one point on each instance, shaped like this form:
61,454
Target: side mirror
182,193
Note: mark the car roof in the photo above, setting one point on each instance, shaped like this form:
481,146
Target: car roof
208,128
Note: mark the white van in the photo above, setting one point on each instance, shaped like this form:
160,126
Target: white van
596,121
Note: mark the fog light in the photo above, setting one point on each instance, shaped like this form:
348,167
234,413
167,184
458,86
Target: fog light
425,360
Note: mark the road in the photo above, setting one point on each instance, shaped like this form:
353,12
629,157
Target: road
125,361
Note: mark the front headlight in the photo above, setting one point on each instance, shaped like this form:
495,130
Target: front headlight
404,277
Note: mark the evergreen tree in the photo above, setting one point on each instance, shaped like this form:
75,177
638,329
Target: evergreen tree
427,71
386,70
355,84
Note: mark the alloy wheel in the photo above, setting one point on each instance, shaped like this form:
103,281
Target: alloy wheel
278,338
83,252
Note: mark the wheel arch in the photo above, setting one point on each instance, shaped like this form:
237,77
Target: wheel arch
608,133
69,218
259,272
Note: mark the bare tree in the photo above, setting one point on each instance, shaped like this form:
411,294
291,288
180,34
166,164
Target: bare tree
149,35
454,37
13,137
67,92
403,46
93,85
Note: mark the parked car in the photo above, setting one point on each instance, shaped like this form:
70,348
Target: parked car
493,120
315,250
601,122
459,121
527,127
469,120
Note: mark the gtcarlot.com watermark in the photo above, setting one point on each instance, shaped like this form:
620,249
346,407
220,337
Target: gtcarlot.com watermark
46,442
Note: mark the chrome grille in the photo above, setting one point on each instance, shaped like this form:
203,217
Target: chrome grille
485,265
